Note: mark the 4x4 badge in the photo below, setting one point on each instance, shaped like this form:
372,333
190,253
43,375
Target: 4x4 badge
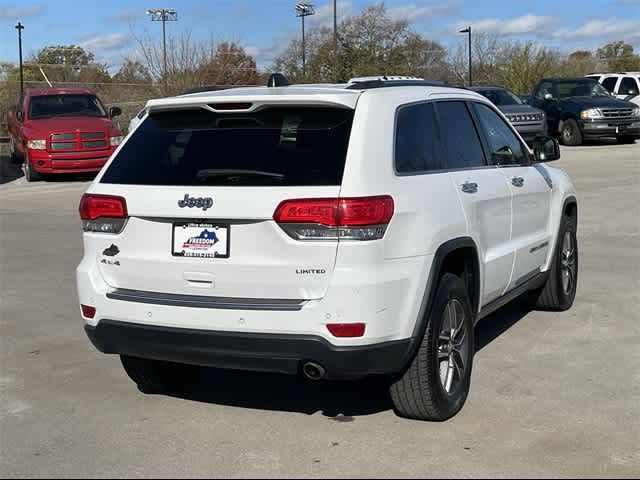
201,202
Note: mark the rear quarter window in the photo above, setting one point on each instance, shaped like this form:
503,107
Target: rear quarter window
275,146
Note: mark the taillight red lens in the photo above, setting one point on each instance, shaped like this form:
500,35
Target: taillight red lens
87,311
323,211
365,211
98,206
346,330
337,212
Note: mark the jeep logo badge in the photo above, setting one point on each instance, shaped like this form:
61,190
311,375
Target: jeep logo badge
200,202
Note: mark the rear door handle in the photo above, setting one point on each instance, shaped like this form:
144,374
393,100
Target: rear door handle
517,181
469,187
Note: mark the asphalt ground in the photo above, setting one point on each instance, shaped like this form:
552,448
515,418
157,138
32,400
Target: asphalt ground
553,394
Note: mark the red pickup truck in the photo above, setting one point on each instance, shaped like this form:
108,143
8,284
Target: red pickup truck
62,130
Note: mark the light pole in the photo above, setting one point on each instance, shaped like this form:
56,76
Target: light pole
304,10
20,27
163,15
468,30
335,39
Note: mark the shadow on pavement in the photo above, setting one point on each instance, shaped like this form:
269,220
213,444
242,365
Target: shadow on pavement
9,170
341,401
12,170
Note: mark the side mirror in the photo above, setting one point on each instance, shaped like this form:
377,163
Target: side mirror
546,149
548,96
115,111
503,156
19,116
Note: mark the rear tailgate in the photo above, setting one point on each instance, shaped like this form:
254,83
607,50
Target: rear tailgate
201,188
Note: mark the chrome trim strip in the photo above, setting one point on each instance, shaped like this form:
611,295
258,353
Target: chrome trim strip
199,301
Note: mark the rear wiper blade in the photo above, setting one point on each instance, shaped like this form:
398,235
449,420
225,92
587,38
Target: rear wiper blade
230,172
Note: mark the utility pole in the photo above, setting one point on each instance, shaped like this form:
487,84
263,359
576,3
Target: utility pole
163,15
304,10
335,39
468,30
20,27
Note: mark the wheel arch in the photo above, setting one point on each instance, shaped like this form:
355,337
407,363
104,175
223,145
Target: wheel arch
459,256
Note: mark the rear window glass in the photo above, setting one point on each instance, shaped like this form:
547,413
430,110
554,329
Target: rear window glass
272,147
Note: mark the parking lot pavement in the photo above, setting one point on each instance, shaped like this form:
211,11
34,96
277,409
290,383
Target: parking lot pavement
553,394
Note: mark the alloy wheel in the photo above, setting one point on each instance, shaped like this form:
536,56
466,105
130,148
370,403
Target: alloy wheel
568,267
453,347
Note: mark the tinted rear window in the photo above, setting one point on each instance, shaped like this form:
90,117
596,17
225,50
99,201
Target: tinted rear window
272,147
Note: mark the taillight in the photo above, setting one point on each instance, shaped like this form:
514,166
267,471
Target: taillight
103,213
364,218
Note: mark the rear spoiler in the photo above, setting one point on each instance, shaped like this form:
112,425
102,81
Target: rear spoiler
230,100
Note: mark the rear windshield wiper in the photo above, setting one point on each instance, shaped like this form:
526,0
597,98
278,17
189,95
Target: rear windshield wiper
230,172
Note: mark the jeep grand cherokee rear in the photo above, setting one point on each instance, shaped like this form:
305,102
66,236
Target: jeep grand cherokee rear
227,219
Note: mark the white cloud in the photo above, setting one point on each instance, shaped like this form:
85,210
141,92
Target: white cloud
101,43
18,13
516,26
413,13
610,28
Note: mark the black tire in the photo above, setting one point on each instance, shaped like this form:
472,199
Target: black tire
554,296
155,376
570,133
626,140
419,393
30,173
13,153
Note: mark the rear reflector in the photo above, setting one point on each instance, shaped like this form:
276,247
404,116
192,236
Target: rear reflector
346,330
103,213
87,311
363,218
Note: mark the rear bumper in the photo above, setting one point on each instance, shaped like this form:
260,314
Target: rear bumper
610,128
248,351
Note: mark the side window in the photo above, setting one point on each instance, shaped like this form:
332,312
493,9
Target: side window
416,139
504,146
460,142
628,87
610,83
543,89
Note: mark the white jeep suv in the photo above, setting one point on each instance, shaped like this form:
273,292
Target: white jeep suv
336,231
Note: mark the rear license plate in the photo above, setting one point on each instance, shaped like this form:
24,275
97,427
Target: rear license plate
201,240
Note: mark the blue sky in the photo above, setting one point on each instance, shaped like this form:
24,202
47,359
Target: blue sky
264,26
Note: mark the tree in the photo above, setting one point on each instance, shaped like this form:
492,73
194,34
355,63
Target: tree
581,63
69,63
371,43
192,63
619,56
132,71
523,65
229,64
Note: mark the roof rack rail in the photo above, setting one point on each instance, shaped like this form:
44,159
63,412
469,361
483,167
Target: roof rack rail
391,82
209,88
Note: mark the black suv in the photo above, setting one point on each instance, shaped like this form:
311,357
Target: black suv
580,108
